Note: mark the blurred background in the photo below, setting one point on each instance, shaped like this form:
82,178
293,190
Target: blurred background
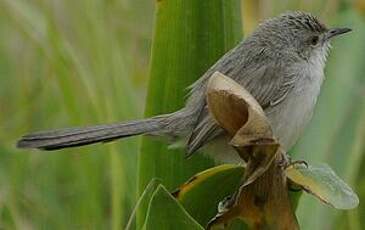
74,63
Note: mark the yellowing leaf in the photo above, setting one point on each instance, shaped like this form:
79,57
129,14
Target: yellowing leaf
201,195
322,182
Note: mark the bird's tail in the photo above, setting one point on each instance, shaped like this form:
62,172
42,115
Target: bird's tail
71,137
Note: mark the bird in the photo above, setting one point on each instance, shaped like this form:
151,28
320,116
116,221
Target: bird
281,64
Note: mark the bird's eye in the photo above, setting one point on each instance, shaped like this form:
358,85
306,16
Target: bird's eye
314,40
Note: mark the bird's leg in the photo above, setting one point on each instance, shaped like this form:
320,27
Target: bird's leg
290,162
285,159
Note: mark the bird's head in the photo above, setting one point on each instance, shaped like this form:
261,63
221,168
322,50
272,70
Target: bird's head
297,34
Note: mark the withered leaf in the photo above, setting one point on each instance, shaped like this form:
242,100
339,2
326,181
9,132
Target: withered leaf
262,200
233,107
201,194
237,111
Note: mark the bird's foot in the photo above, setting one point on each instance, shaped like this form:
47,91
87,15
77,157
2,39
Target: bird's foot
297,162
287,162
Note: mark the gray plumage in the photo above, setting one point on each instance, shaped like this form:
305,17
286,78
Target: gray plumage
281,64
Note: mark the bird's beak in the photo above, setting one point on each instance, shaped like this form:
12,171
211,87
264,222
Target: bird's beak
336,31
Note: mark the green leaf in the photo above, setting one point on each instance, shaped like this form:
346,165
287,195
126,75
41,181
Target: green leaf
202,193
164,212
145,198
189,37
322,182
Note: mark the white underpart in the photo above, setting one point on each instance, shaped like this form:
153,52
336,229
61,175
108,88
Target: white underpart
290,117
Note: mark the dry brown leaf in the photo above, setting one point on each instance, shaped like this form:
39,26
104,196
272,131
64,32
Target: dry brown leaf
242,117
227,103
262,200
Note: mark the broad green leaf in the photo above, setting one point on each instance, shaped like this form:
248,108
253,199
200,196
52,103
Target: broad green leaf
202,193
189,37
322,182
165,212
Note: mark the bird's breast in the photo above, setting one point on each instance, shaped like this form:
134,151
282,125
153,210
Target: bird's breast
289,118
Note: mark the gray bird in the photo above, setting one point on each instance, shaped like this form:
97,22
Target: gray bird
281,64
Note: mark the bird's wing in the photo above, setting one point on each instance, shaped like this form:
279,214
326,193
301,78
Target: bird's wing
268,84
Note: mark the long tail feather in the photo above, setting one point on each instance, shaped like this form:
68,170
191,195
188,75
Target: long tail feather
64,138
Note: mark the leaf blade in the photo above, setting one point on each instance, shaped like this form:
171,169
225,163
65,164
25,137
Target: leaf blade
323,183
220,182
164,212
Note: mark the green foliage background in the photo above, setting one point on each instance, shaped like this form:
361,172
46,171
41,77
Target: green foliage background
71,63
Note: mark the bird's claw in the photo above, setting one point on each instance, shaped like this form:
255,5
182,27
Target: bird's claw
297,162
287,162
